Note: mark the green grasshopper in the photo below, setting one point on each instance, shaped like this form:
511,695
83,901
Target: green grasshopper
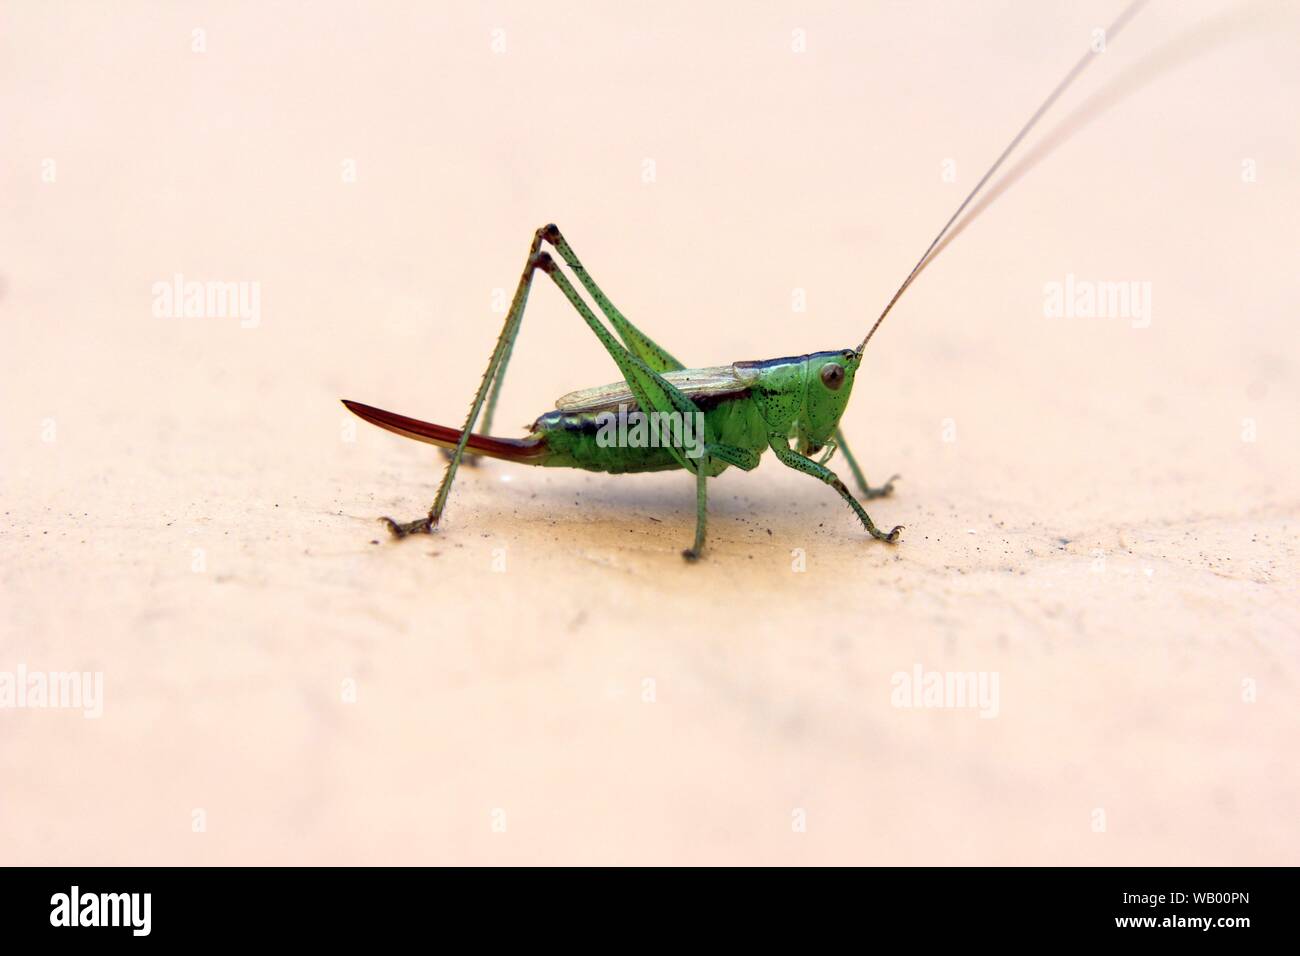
741,410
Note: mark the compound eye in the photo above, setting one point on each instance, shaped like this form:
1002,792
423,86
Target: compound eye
832,376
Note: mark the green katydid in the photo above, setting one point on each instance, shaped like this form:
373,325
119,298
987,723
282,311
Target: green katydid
745,408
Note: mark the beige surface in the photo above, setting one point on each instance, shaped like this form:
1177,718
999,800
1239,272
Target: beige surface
1099,534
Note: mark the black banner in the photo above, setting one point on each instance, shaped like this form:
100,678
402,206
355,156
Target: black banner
334,906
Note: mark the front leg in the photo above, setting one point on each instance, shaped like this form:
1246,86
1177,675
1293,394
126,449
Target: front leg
791,458
867,491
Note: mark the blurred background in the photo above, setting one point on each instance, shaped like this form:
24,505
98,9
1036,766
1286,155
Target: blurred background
1100,510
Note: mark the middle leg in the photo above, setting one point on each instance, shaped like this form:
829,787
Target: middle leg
694,552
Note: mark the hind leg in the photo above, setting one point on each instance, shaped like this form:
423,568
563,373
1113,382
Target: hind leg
651,390
492,377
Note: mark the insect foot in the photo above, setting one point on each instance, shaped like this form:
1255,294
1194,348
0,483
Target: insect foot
883,491
470,461
422,526
690,554
891,538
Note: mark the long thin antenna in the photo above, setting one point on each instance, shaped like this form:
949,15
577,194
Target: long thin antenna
1070,77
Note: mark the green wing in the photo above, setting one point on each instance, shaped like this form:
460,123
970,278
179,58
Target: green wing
693,382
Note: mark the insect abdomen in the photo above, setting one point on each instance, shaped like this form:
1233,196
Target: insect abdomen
575,440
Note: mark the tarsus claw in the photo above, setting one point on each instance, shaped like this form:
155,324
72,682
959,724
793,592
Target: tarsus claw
469,461
422,526
883,491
